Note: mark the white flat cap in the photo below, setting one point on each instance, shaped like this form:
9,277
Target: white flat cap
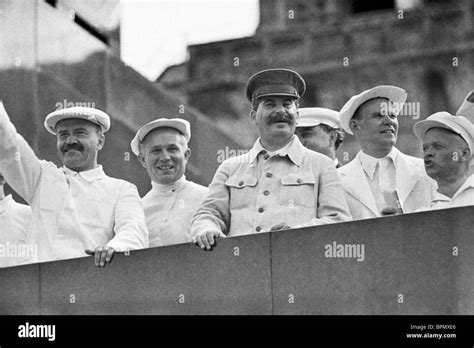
457,124
467,107
394,94
93,115
179,124
310,117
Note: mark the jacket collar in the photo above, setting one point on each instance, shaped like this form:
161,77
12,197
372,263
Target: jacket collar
88,175
356,184
407,176
293,150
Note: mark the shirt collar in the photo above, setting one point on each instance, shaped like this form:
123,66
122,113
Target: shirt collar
369,163
4,203
439,197
294,151
173,187
88,175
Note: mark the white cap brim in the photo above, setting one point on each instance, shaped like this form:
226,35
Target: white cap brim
310,117
92,115
179,124
467,107
457,124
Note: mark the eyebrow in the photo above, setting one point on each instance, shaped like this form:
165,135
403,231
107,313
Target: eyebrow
74,130
163,146
435,142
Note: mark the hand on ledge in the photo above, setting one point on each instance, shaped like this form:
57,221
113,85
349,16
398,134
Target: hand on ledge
390,211
279,227
103,255
207,240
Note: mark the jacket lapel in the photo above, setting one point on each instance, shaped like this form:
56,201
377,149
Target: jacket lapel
407,177
356,184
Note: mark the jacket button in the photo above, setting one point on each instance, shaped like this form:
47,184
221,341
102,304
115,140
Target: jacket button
258,229
299,181
261,210
269,175
266,193
241,183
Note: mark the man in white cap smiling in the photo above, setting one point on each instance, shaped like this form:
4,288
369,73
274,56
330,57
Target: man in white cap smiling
162,148
318,130
448,145
76,207
278,184
14,220
381,180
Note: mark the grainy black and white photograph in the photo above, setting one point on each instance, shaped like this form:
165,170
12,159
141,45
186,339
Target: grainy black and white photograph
237,160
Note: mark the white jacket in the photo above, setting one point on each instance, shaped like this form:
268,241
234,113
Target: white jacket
414,187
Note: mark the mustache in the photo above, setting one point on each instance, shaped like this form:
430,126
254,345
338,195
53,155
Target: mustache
280,117
77,147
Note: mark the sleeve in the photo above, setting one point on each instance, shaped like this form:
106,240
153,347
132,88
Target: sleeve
130,228
18,163
214,213
331,202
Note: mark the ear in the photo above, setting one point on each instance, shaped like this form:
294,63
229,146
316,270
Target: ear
253,116
332,138
465,155
353,124
101,142
141,159
187,154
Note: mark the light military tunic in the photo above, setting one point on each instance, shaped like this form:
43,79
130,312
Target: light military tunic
14,220
168,211
463,197
253,192
71,211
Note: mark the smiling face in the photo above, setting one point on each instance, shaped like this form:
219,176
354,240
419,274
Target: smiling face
164,153
275,118
78,142
375,129
446,154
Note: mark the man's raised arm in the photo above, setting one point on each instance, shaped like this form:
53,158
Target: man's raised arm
18,163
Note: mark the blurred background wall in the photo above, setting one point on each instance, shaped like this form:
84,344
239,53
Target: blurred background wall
58,53
341,47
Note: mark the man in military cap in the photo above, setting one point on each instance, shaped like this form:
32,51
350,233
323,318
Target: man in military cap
381,180
76,207
448,145
14,220
318,130
278,184
162,148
